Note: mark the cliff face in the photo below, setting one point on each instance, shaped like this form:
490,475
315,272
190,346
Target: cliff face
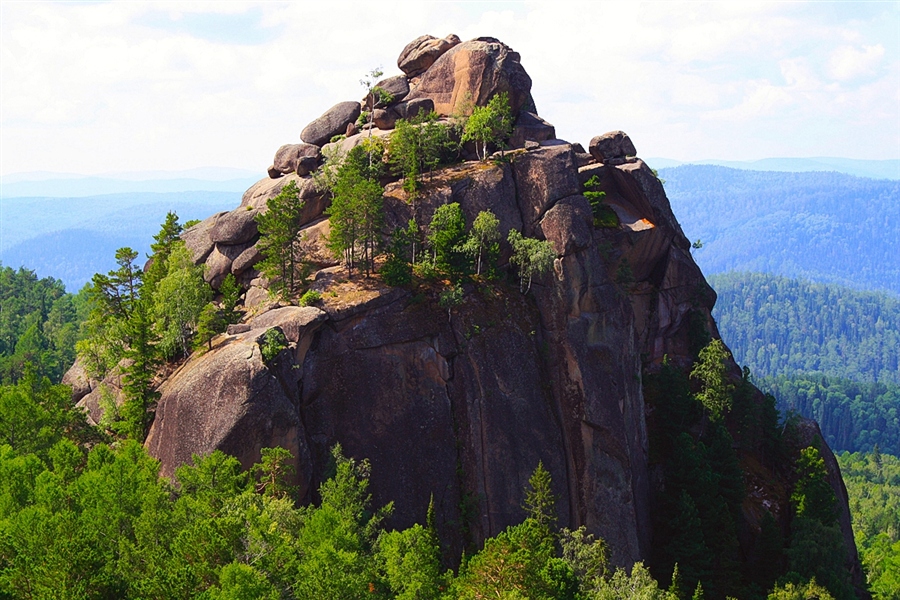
459,406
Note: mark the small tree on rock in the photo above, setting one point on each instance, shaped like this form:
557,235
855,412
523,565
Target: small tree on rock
489,125
531,257
279,243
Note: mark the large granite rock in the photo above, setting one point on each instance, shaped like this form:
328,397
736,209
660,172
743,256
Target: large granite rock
198,239
230,399
289,157
421,53
543,176
471,73
333,122
235,227
612,145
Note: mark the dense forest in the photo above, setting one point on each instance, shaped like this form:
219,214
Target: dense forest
827,352
83,512
873,483
825,227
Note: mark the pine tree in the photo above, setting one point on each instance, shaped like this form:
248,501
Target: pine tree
278,243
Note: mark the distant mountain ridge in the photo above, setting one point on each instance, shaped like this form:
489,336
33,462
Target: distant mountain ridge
72,185
873,169
826,227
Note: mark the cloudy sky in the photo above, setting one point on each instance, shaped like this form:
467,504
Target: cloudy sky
132,86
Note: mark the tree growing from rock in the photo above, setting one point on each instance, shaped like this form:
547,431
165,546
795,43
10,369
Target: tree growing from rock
531,257
710,370
357,212
417,146
489,125
447,235
179,299
279,243
484,240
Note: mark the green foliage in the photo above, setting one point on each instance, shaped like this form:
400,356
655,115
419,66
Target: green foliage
418,146
272,343
274,470
38,325
279,243
540,501
489,125
710,370
410,561
780,326
699,512
586,556
873,487
178,300
138,376
639,585
804,591
447,235
452,296
209,324
164,241
483,242
397,270
604,216
813,497
357,212
530,256
310,297
231,295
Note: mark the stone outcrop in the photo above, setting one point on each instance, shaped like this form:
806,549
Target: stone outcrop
469,74
333,122
291,156
421,53
612,145
460,407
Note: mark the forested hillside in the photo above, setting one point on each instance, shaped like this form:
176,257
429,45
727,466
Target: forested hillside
873,484
826,227
73,238
825,351
781,326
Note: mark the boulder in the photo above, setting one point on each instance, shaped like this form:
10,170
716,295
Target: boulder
568,225
78,378
259,194
110,389
397,86
274,173
198,240
312,243
333,122
218,265
612,145
530,127
543,176
384,119
288,157
352,129
246,260
408,110
235,227
307,165
472,73
420,54
229,399
347,144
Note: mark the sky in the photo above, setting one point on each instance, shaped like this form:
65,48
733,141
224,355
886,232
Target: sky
95,88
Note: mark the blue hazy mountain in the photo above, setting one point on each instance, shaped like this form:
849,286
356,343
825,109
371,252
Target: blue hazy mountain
823,226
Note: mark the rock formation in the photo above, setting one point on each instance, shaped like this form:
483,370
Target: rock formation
461,409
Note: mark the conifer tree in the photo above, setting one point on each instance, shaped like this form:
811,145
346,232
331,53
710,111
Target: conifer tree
278,242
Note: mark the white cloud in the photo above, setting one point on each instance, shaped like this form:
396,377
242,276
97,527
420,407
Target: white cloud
848,62
124,86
